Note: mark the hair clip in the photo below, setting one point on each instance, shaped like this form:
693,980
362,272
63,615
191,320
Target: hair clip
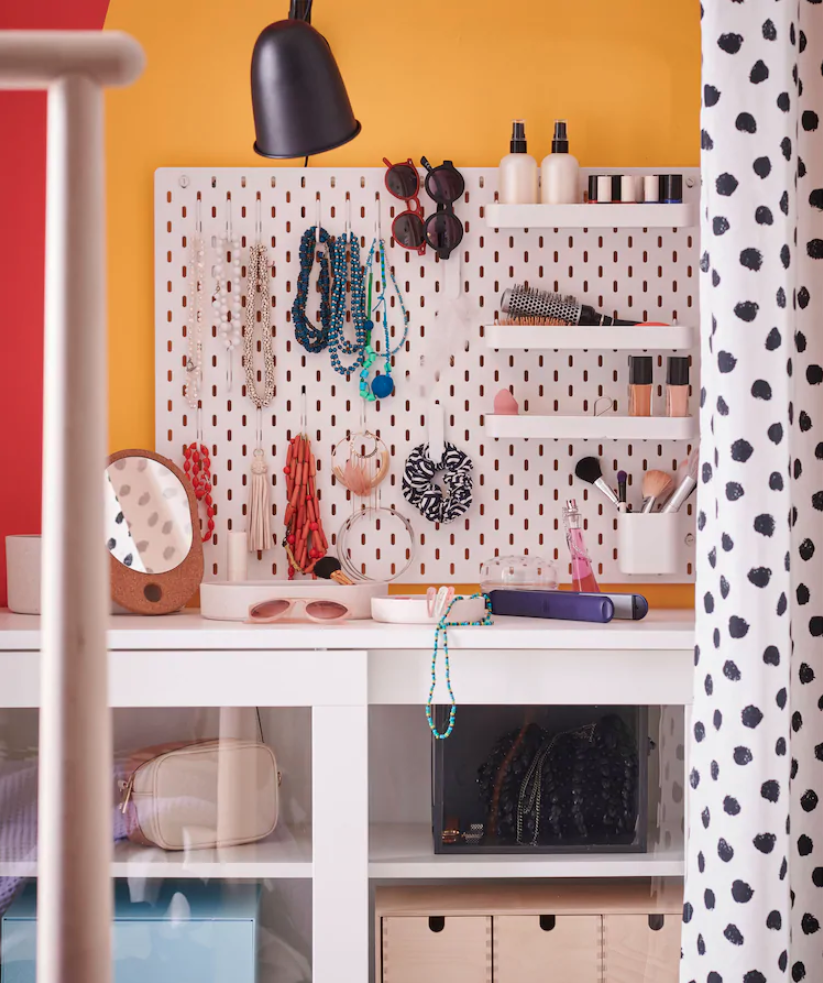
438,600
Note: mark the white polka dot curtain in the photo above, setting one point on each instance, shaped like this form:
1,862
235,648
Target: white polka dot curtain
754,884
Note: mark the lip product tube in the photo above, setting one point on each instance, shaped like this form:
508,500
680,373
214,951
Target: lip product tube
593,179
671,189
677,386
651,188
640,385
604,188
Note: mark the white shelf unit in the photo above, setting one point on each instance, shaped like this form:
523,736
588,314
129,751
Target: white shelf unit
591,216
536,337
606,427
344,673
285,854
405,851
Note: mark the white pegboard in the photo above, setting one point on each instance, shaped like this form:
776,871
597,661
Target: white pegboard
519,485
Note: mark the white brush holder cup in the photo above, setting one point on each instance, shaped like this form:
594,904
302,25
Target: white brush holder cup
649,543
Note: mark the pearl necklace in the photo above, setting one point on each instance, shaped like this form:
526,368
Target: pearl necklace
226,300
194,330
347,245
259,283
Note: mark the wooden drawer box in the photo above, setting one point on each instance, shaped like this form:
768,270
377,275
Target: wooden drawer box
457,949
566,932
536,948
641,948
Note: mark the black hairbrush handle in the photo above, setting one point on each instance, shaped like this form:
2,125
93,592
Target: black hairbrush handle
589,317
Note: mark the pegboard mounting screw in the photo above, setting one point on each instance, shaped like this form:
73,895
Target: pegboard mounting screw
184,180
690,182
689,540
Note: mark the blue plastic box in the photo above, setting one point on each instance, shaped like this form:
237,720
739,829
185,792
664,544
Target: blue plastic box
191,933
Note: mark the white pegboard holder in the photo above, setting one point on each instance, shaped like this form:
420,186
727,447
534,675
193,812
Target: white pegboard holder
647,273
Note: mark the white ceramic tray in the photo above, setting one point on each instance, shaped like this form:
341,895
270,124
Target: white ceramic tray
413,610
222,600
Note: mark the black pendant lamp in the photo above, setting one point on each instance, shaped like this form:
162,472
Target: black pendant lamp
300,103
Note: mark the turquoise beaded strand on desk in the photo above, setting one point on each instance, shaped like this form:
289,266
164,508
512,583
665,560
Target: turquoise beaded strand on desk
442,626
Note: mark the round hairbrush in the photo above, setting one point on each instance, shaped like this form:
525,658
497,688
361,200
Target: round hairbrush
329,569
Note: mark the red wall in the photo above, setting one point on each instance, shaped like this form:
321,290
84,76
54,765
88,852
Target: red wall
22,243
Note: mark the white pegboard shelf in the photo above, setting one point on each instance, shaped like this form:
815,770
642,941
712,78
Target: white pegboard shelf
591,216
526,337
591,427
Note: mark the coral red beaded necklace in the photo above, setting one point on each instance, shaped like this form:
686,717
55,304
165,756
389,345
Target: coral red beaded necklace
198,470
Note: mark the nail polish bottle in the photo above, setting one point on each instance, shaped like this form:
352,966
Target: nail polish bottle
677,386
592,189
671,189
640,385
651,188
604,188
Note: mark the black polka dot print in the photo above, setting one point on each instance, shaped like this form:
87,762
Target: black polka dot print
754,875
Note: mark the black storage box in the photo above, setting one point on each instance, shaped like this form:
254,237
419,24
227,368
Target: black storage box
556,779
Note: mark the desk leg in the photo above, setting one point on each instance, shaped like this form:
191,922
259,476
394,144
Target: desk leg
340,825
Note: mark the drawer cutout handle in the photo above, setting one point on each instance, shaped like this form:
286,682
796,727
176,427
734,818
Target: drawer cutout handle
656,922
547,922
436,923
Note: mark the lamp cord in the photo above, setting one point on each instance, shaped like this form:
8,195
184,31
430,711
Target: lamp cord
306,161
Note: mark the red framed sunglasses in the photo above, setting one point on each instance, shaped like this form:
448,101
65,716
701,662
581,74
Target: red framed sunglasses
403,182
443,230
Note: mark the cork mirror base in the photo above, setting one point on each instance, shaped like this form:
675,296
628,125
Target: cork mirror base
152,533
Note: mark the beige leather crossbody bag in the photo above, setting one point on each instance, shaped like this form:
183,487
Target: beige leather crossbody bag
200,795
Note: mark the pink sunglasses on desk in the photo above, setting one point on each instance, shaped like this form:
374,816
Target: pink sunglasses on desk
321,611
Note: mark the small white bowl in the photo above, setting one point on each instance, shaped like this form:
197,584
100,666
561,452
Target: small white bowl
412,609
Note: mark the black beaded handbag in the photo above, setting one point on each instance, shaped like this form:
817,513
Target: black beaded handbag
578,786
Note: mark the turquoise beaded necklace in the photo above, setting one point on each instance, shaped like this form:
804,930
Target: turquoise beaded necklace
442,628
369,354
383,385
347,245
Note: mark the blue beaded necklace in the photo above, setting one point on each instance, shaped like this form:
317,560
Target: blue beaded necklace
442,628
383,385
344,269
312,338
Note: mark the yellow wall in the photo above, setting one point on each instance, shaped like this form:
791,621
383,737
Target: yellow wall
442,78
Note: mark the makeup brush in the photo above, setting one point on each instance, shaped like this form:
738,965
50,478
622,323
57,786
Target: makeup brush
329,568
656,485
588,469
622,478
686,486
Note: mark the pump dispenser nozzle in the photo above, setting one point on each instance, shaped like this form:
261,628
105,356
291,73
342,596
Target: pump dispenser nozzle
518,140
560,141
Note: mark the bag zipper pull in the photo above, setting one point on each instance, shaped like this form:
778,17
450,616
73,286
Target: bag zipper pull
126,787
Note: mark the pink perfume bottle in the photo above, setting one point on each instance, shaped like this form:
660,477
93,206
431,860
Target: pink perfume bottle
582,574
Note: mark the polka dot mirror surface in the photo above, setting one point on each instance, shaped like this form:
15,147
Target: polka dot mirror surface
148,523
152,533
